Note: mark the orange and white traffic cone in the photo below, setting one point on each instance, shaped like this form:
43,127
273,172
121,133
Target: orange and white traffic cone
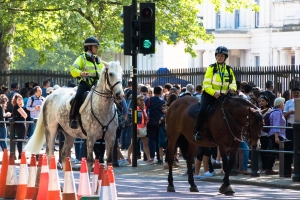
44,179
53,184
101,168
31,178
84,181
69,184
23,176
105,193
112,184
11,179
38,175
95,177
3,173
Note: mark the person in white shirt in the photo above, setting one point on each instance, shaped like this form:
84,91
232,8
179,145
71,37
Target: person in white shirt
289,112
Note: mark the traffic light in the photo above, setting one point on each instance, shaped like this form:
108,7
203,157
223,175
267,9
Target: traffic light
126,30
147,28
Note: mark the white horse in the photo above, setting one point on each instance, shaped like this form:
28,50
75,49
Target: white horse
98,116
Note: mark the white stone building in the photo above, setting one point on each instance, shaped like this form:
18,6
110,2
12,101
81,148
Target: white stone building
265,38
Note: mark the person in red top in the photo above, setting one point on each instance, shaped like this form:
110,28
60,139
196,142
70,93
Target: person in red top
141,107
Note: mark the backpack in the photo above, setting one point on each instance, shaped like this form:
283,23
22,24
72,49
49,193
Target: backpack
127,93
227,68
266,119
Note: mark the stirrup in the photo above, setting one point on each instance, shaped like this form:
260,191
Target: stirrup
73,124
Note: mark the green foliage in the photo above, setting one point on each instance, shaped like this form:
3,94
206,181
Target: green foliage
48,25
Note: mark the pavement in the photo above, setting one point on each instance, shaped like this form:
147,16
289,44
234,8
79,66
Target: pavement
145,170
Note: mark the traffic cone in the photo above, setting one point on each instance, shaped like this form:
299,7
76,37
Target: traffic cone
69,184
112,184
44,179
95,176
11,179
105,193
53,184
3,173
31,178
84,182
101,168
23,176
38,175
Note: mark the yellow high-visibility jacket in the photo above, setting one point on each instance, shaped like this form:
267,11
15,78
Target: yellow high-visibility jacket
218,79
82,64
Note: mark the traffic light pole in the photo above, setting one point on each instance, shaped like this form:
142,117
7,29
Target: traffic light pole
134,92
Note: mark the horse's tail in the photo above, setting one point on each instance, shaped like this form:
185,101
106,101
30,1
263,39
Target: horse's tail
38,138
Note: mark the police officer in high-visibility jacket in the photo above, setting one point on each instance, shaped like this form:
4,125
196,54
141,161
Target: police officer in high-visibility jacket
87,69
219,79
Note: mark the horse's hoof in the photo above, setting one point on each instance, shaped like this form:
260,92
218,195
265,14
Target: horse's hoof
170,189
194,189
227,190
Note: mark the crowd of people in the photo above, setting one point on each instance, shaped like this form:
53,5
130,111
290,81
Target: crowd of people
152,105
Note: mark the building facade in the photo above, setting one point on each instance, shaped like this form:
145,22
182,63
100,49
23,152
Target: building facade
270,37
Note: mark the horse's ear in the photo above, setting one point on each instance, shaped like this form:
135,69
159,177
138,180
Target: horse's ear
105,63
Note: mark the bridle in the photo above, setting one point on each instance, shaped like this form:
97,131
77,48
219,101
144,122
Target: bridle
108,94
109,91
245,135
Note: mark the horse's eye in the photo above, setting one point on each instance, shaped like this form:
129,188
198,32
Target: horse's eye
110,74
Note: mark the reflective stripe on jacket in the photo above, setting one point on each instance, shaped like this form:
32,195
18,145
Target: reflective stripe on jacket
82,64
213,83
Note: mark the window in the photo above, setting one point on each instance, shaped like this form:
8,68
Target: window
237,19
257,61
218,20
257,16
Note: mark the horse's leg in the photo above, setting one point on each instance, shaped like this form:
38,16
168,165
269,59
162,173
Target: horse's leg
226,188
65,151
90,149
50,132
110,143
170,159
190,161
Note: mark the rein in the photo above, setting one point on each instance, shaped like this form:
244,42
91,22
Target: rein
108,95
245,137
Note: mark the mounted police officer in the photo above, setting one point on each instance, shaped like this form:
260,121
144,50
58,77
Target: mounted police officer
87,69
219,79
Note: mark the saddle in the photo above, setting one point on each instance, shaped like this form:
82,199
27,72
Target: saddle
83,97
194,110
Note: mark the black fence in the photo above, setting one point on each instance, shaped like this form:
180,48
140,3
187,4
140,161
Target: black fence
284,77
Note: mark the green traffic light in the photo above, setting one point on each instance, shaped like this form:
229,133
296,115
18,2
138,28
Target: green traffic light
147,44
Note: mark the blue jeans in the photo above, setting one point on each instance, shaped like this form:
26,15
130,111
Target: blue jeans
78,147
244,145
126,135
3,134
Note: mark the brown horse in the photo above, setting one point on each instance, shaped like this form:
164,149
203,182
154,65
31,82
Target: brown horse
231,120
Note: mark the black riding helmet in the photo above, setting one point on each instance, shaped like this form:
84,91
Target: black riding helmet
89,42
222,50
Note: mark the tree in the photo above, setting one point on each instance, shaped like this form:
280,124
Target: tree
42,25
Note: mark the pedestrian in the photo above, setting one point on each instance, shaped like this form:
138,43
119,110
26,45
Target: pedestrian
19,115
3,114
219,79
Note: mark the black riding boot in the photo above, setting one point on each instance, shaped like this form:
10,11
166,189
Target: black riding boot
73,114
198,126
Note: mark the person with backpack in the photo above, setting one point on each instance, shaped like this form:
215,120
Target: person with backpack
218,79
276,135
266,110
14,89
34,104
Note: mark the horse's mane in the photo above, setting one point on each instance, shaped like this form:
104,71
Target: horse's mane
244,102
112,66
